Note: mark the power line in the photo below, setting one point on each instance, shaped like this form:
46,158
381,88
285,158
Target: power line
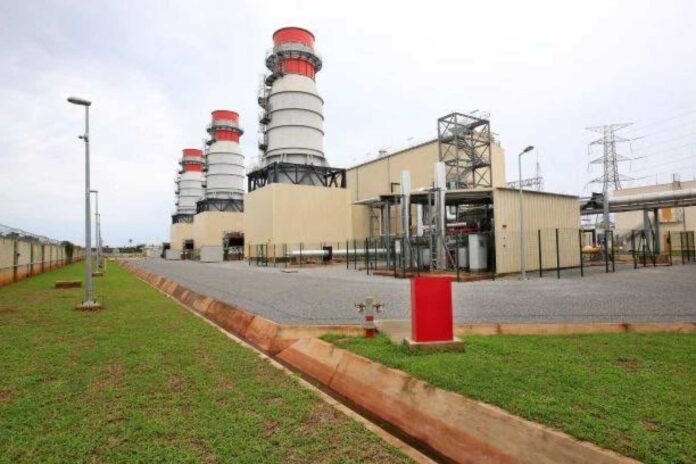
661,121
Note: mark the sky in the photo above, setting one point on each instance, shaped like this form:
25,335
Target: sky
544,70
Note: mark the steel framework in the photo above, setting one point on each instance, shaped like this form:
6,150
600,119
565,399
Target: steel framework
306,174
224,205
182,218
464,143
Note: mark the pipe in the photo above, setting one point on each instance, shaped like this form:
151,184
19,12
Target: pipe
653,196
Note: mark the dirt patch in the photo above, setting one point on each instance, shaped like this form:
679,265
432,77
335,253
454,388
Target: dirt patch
269,427
651,425
320,415
6,396
630,364
8,310
226,384
175,383
113,378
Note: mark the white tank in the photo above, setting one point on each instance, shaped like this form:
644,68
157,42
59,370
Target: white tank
190,181
292,121
225,175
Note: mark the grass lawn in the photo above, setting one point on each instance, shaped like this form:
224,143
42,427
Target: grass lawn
146,381
633,393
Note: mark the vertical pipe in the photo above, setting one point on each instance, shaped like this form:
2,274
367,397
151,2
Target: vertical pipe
669,243
347,257
558,258
541,267
582,264
355,254
633,249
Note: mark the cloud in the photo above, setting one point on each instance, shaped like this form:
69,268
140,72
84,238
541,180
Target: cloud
545,70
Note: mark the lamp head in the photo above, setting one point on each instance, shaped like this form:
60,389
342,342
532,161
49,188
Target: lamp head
79,101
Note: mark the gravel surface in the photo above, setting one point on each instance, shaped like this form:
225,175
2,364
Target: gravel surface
325,294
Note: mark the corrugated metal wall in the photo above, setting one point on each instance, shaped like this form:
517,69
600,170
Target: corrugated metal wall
544,213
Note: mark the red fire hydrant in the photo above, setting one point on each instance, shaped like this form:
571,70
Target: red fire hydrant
369,308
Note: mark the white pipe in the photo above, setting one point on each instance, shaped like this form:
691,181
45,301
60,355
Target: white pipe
338,253
653,196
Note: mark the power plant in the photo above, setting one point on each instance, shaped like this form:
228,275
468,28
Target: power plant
413,201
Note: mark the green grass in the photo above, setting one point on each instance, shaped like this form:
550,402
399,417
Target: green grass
633,393
146,381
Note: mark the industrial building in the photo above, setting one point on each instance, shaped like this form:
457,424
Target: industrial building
414,201
665,219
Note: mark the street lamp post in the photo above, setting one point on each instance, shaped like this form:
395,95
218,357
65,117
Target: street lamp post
89,302
97,230
523,258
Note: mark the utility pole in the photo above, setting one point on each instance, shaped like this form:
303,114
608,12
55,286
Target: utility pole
610,178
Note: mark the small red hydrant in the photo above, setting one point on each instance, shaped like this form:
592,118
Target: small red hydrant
369,308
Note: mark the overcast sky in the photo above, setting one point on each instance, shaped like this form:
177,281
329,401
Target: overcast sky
155,70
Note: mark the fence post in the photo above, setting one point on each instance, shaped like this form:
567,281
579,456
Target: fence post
249,254
366,252
494,261
456,251
643,241
376,258
669,242
347,257
606,251
541,266
43,257
633,249
582,264
558,258
15,260
301,254
613,253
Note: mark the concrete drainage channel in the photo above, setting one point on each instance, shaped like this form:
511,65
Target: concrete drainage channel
436,424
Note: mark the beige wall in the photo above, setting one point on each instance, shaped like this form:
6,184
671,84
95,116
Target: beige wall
210,227
178,233
672,220
374,178
542,211
293,214
29,261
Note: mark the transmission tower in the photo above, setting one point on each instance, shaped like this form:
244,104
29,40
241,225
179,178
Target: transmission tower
610,159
